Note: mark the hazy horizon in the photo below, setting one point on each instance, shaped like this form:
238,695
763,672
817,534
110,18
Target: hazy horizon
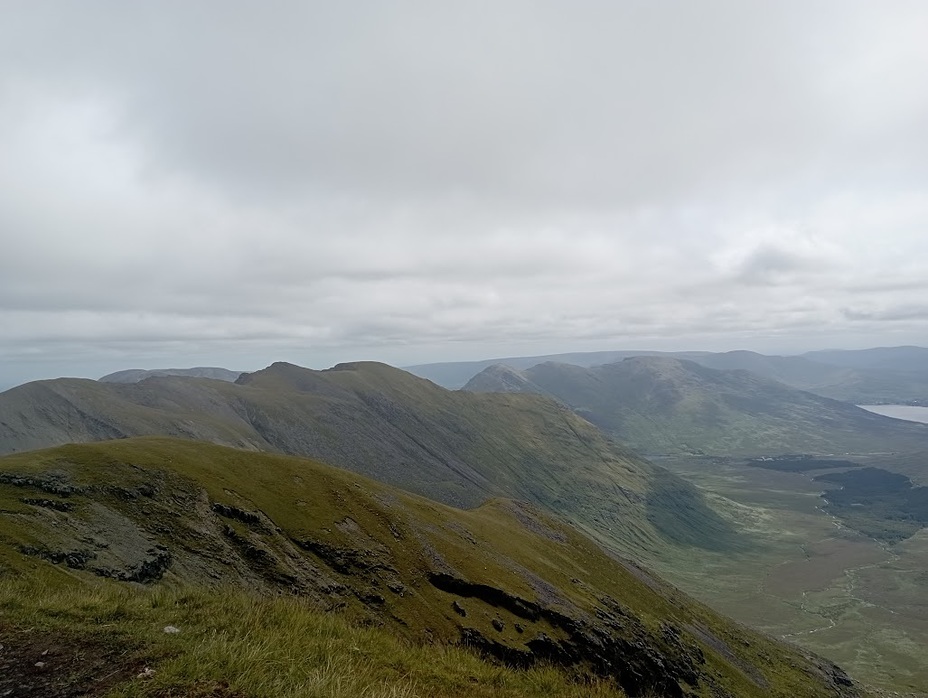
102,368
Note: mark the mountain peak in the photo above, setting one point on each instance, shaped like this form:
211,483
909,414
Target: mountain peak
500,378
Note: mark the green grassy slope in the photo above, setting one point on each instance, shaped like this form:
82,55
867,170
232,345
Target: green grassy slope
661,405
459,448
504,579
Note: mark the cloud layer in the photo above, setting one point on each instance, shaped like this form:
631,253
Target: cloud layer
237,182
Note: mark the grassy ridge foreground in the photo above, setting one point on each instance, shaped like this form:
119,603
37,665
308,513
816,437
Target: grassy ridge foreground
234,644
504,579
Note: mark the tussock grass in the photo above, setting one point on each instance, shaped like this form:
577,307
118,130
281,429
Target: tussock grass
234,644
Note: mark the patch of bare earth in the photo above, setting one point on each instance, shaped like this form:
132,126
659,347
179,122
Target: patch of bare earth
42,664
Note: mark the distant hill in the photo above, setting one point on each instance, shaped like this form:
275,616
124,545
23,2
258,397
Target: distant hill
796,371
455,374
134,375
500,378
661,405
870,376
514,584
908,358
456,447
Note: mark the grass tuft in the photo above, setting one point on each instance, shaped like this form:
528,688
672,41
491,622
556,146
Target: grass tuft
233,645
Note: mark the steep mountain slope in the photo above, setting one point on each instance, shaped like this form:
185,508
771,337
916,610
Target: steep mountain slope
505,579
459,448
134,375
662,405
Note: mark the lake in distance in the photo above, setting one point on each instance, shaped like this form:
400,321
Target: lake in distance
910,413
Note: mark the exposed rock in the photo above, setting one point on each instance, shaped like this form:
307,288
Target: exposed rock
150,569
75,559
484,592
48,503
51,483
611,644
231,512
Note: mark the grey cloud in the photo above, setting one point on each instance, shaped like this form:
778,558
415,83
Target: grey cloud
772,265
891,314
321,180
608,101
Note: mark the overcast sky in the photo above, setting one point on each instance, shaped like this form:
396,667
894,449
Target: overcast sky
233,183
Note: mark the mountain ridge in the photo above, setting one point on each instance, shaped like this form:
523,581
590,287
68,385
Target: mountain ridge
662,405
456,447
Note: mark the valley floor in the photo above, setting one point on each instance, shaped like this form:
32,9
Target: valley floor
810,579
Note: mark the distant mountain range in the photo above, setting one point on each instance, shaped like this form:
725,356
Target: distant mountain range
456,447
662,405
871,376
455,374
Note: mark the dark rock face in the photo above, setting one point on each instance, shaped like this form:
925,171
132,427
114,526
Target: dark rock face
612,644
50,483
488,594
347,560
230,512
151,569
48,503
75,559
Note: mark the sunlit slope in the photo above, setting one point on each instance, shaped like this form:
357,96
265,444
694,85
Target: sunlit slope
660,405
503,578
457,447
